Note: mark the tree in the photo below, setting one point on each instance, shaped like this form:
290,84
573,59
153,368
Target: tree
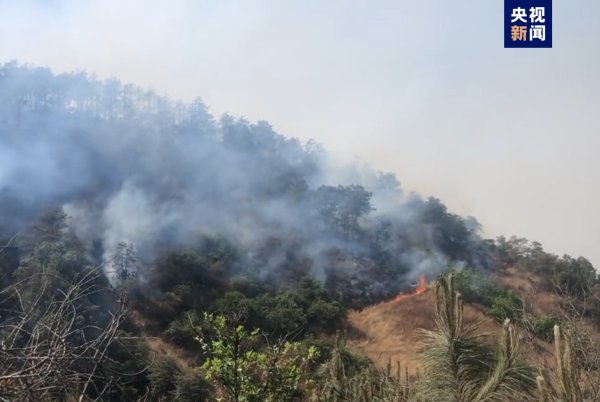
50,225
459,367
163,376
450,233
249,370
342,206
47,349
123,262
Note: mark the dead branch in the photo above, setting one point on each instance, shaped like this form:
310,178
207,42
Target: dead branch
44,349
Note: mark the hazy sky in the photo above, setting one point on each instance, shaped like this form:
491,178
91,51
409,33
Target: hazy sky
421,88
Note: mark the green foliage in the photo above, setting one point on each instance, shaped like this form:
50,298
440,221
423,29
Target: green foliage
342,206
277,314
198,280
163,376
130,357
510,252
191,387
323,347
50,226
168,382
451,234
543,326
59,309
322,313
307,307
507,306
575,277
185,280
572,277
248,372
247,285
325,314
181,330
244,364
476,287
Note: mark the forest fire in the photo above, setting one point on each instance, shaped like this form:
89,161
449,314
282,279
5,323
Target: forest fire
419,290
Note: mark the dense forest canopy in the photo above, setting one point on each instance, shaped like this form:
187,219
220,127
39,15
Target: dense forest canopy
127,165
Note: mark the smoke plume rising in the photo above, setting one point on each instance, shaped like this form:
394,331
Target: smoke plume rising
130,166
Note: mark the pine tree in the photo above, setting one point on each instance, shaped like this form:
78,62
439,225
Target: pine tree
461,367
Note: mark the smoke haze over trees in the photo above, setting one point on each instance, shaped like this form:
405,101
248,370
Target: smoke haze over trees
127,165
150,251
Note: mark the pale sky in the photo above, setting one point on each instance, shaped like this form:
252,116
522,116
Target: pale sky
423,88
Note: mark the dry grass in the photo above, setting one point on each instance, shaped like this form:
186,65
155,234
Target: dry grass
527,286
160,347
391,330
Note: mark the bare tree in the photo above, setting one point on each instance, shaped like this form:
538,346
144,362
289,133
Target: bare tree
45,350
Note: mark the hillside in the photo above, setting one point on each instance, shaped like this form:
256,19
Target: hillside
180,256
529,288
391,330
159,175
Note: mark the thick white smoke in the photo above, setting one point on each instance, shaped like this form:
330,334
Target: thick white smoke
130,166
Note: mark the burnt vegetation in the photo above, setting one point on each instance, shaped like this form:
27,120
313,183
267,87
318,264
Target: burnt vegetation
128,220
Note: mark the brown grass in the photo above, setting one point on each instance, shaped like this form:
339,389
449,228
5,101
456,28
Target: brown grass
391,330
160,347
527,286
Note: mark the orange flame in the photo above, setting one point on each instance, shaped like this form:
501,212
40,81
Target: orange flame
419,290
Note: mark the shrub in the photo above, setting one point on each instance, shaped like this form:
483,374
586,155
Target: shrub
507,306
245,371
325,314
191,387
163,376
543,327
476,287
181,331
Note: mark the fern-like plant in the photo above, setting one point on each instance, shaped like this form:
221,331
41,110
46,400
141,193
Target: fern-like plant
460,366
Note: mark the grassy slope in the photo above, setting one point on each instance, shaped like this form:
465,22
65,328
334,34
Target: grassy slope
390,330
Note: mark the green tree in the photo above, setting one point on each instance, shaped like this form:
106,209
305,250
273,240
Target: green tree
342,206
163,376
507,306
249,371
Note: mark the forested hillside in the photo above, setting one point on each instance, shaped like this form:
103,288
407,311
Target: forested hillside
150,251
129,166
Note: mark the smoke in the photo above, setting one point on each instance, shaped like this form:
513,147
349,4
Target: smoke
130,166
